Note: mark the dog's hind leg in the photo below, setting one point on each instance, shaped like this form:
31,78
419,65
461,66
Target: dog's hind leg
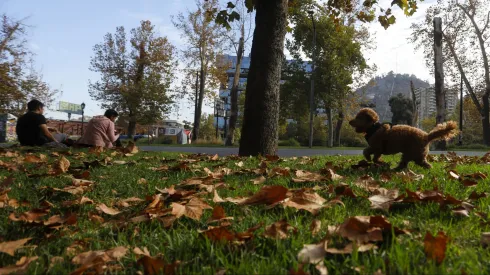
377,158
367,153
423,162
403,163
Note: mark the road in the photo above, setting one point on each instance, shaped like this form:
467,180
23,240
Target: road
225,151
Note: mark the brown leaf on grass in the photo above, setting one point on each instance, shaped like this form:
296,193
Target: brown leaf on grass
331,175
216,197
34,159
55,260
32,216
306,176
259,180
476,176
279,172
267,195
98,259
299,271
79,201
453,174
193,209
239,164
95,218
306,200
272,158
219,215
142,181
367,183
385,177
107,210
469,182
313,253
220,233
96,150
129,201
384,199
345,190
410,176
20,266
57,221
11,246
279,230
351,247
131,148
460,211
62,165
315,227
364,229
83,175
435,246
475,196
485,239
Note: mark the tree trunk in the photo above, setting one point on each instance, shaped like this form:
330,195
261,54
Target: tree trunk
329,127
439,78
415,108
197,116
131,126
485,118
234,90
261,114
338,127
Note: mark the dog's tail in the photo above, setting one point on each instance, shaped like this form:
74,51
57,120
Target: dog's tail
444,131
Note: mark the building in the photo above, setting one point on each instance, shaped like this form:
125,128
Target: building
225,90
426,101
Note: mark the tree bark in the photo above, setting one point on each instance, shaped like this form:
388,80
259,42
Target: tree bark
415,108
196,103
330,127
338,127
439,78
234,90
261,114
197,116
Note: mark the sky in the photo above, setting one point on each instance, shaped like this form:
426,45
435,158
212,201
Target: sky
63,33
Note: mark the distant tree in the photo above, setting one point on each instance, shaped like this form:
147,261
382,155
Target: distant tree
204,39
135,74
187,124
402,109
208,130
19,81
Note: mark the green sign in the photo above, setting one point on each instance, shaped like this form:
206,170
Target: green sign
70,108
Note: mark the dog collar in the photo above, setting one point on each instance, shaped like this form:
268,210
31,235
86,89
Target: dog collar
370,132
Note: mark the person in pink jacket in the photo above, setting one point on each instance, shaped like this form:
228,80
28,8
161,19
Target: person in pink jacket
101,131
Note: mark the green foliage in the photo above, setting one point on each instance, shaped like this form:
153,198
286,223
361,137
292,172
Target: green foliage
289,143
135,74
208,129
402,109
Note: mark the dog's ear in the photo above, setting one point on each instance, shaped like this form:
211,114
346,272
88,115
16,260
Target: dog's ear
369,115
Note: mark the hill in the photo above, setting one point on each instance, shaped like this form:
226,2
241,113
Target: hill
381,88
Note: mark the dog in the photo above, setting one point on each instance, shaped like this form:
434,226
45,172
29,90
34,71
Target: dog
384,139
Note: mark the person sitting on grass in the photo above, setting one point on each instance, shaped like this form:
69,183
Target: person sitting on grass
32,129
101,131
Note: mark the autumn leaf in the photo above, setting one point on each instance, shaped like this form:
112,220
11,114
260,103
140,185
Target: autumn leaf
193,209
97,259
129,201
219,214
267,195
279,230
34,159
62,165
453,174
131,148
32,216
306,176
435,246
313,253
315,227
306,200
11,246
331,175
485,239
216,197
351,247
20,266
367,183
259,180
219,233
476,196
142,181
109,211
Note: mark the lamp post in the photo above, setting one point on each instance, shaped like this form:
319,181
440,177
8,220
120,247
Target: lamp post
312,79
83,114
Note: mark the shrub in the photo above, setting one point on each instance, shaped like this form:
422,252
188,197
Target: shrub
209,141
290,142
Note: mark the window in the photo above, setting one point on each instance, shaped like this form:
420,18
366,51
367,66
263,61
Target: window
172,131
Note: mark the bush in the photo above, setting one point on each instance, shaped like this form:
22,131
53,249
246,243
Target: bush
290,143
468,147
209,141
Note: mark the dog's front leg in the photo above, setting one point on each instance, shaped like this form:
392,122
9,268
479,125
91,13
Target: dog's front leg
377,158
367,153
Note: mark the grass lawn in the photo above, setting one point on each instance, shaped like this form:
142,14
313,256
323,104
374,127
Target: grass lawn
166,226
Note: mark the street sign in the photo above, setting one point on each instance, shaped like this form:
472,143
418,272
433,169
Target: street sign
70,108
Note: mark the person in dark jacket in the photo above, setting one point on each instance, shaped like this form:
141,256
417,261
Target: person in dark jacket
32,129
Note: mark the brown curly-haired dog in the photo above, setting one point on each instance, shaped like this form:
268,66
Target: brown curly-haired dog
413,143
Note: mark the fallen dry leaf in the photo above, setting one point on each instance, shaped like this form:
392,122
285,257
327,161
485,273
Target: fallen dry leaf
62,165
109,211
267,195
435,246
216,197
259,180
367,183
97,259
32,216
351,247
11,246
142,181
131,148
453,174
20,266
219,214
279,230
485,239
306,176
313,253
315,227
34,159
306,200
193,209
